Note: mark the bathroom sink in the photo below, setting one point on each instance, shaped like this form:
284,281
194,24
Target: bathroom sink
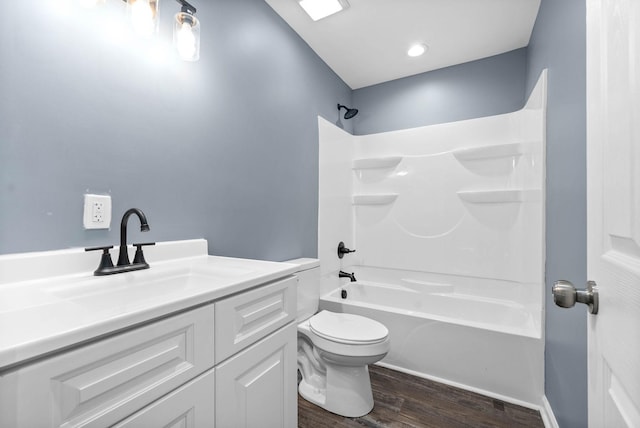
156,281
172,279
43,313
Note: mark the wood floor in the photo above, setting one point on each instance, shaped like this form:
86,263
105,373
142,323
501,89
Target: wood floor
402,400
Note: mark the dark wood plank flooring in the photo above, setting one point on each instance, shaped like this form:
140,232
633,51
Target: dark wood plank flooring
402,400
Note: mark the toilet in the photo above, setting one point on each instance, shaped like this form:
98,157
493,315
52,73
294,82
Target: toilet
334,349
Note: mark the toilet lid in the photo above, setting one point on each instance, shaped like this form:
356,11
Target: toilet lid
347,328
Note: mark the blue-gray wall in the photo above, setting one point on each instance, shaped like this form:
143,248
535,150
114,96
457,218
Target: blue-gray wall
559,44
485,87
225,148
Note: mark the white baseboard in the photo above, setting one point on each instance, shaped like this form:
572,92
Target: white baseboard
546,412
480,391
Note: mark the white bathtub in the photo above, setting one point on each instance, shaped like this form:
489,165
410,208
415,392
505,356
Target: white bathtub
467,332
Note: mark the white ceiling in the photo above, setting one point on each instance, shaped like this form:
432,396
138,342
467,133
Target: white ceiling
367,43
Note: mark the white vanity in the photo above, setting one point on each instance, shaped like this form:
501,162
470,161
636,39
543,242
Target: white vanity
195,341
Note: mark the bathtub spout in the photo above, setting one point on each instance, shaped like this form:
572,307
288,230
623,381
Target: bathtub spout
351,276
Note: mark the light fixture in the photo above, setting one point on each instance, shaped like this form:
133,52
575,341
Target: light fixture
144,16
318,9
417,49
186,32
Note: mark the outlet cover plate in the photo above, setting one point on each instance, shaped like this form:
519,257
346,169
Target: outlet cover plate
97,211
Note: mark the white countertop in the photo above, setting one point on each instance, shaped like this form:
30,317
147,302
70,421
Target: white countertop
47,313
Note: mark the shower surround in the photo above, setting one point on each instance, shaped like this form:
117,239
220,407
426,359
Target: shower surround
448,223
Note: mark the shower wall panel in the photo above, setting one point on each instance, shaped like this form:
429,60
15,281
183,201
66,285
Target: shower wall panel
462,198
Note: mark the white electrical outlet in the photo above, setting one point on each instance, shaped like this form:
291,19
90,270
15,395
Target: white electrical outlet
97,211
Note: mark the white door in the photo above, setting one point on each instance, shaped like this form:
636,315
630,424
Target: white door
613,193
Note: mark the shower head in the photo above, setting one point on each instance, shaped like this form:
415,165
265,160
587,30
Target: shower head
351,112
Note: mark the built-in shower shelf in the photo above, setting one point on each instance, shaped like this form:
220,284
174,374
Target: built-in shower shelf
379,199
377,163
490,152
499,196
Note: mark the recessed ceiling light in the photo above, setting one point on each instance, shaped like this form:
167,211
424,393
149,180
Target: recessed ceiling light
417,49
318,9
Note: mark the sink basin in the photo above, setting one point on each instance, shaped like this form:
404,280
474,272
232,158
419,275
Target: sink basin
155,281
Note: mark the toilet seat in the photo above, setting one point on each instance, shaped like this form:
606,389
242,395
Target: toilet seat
347,328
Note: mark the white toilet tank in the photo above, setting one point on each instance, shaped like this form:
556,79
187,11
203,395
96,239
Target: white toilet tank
308,290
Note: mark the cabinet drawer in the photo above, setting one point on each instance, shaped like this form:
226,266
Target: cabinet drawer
191,405
245,318
100,384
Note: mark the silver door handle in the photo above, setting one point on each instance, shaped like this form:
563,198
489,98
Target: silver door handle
565,295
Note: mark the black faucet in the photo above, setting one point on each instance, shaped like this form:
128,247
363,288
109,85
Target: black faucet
351,276
106,266
123,257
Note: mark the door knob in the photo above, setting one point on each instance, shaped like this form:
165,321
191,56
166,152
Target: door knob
565,295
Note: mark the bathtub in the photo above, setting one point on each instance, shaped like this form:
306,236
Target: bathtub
478,334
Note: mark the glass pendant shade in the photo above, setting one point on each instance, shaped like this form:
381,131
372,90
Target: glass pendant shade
186,36
143,15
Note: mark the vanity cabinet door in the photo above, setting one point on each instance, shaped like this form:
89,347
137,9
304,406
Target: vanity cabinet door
258,387
102,383
245,318
191,405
